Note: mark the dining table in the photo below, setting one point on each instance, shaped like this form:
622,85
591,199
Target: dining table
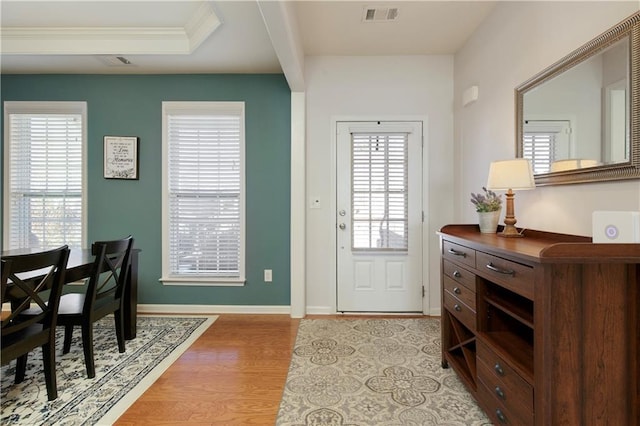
79,267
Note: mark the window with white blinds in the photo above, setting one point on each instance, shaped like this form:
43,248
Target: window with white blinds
379,193
204,192
545,141
44,190
539,148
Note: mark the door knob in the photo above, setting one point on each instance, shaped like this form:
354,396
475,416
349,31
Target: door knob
342,212
342,226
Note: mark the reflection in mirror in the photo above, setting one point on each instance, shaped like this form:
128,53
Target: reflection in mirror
615,136
577,121
564,117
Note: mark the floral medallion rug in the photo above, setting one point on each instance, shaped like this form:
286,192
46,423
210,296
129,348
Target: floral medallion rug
373,372
120,377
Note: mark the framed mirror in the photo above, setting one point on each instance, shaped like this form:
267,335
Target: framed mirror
579,119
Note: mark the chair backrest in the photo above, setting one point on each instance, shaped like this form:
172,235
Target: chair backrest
25,278
109,275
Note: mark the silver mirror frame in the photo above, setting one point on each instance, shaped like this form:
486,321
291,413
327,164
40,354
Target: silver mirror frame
630,27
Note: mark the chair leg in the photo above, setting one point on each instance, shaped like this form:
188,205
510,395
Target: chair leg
119,320
87,345
49,359
21,367
68,334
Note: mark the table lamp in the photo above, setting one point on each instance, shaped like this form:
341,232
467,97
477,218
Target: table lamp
509,175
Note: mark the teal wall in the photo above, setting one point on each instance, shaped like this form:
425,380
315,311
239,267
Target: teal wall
132,106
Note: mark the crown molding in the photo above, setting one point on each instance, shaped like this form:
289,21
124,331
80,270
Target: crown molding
201,25
112,40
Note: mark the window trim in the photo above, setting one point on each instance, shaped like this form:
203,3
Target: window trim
41,107
169,108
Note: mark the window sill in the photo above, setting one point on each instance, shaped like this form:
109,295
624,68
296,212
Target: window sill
204,282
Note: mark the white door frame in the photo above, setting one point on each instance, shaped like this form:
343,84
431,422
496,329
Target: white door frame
425,196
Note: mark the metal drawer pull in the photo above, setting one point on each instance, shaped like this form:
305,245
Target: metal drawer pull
457,307
500,270
457,253
500,415
499,392
457,274
498,369
456,290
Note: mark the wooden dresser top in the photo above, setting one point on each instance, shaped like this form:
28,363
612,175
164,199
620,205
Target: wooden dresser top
543,247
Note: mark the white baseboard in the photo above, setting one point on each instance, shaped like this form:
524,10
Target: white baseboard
213,309
320,310
435,312
327,310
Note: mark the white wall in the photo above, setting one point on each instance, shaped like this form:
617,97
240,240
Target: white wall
518,40
375,88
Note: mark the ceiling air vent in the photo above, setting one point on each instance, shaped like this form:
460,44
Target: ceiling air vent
379,14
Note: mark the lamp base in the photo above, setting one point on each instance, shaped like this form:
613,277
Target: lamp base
510,231
510,220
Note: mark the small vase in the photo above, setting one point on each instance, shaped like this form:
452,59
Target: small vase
488,221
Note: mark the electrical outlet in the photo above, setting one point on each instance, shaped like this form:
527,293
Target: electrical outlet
268,276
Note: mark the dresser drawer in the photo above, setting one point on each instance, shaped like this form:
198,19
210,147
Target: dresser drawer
461,311
512,275
467,296
460,275
459,254
504,383
500,412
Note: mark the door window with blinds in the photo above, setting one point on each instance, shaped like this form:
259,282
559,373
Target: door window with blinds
538,147
544,142
44,186
379,193
203,197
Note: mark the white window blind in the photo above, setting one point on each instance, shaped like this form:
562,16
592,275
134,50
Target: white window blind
379,191
44,191
205,192
539,148
545,141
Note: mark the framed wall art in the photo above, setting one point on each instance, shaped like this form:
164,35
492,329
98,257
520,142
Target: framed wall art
121,157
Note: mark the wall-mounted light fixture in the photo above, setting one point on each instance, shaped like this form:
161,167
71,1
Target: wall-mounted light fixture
470,95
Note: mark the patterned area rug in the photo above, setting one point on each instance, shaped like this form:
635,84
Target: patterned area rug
373,372
120,377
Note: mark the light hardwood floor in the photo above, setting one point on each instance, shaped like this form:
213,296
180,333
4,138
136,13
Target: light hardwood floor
234,374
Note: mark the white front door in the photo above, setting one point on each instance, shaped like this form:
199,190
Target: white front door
379,216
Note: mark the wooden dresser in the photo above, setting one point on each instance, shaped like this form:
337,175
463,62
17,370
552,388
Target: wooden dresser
543,330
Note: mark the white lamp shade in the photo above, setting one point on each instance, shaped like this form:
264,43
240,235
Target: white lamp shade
511,174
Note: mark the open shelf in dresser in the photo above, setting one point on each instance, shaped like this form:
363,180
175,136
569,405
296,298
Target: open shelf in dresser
506,322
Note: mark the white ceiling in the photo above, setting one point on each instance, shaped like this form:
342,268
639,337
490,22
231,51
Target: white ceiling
197,36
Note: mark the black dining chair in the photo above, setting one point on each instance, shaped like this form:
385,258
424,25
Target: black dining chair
104,296
28,279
